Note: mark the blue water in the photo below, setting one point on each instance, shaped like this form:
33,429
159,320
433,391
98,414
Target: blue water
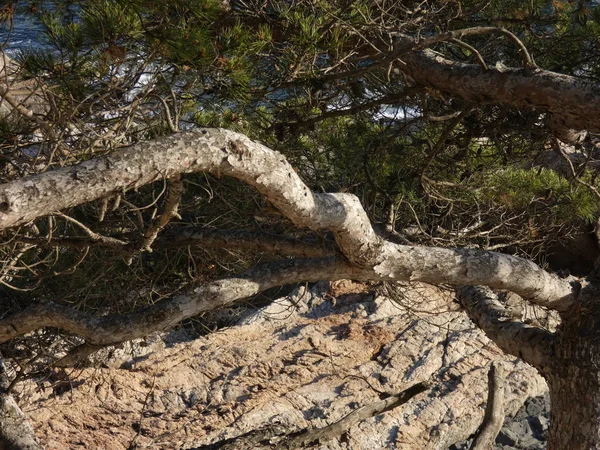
24,33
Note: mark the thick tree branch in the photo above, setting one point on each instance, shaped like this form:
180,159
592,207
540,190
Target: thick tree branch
168,312
218,151
575,101
244,240
533,345
228,153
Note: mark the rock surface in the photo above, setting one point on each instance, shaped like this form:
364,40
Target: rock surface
527,429
305,361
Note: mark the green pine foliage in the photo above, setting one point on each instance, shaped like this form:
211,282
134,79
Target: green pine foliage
308,78
519,189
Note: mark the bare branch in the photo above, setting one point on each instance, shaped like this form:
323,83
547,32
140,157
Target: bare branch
94,237
458,34
244,240
494,410
574,100
340,427
531,344
168,312
218,151
171,205
228,153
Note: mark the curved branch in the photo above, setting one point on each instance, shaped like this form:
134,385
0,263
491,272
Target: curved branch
228,153
533,345
217,151
457,34
409,263
168,312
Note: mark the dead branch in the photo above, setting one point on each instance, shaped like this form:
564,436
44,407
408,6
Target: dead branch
340,427
494,410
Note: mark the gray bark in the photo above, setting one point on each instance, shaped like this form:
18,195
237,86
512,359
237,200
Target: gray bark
16,433
170,311
533,345
227,153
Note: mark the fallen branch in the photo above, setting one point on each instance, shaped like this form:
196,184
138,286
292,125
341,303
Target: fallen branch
494,410
324,434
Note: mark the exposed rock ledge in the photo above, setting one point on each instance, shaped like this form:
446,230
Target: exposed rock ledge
306,361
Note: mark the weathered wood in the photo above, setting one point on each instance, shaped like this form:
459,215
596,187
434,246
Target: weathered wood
494,410
533,345
227,153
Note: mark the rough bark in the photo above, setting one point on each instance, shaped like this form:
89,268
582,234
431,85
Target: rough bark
170,311
574,103
574,377
533,345
16,433
245,240
227,153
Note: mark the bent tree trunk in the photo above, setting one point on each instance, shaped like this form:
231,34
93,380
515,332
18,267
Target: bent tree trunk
574,377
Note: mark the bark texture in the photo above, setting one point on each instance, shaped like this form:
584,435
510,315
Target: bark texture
574,377
532,344
573,103
227,153
516,338
16,433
